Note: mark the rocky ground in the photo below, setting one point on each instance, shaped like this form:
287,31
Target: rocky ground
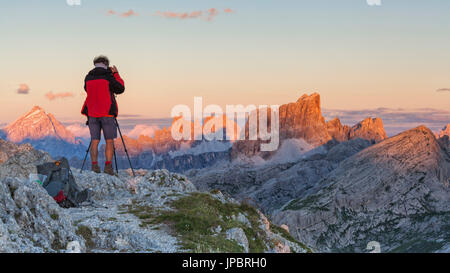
156,211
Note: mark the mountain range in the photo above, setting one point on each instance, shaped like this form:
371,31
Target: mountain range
300,120
333,187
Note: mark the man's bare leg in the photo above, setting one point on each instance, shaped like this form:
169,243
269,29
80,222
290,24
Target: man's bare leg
109,152
94,150
94,155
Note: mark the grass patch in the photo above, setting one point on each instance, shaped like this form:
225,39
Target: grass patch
54,216
56,244
196,215
86,233
145,213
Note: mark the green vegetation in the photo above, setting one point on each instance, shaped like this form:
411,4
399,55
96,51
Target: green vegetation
54,216
86,233
56,244
194,218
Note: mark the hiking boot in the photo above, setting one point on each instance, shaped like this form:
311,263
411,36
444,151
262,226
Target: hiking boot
109,169
96,168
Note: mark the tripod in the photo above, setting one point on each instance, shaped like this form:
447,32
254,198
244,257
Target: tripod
115,156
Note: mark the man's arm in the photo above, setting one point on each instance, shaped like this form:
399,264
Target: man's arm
116,83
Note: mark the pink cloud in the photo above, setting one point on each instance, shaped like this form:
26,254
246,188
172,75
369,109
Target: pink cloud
142,129
180,15
23,89
79,130
207,15
127,14
212,13
52,96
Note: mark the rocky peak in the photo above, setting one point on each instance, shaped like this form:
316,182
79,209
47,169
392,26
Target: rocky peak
444,132
338,131
303,119
35,125
370,129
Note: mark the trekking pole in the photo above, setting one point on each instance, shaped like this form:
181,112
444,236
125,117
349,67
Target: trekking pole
85,157
115,159
125,147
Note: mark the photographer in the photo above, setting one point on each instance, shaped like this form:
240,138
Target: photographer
101,85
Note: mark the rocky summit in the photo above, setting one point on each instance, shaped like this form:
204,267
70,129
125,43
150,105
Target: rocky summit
129,214
444,132
37,124
303,120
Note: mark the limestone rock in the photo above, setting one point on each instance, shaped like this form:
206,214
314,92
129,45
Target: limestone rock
238,235
444,132
395,192
369,129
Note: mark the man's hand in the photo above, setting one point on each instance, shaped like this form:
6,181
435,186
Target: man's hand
114,69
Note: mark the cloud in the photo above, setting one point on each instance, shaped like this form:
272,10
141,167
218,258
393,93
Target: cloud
23,89
443,90
212,13
128,123
127,14
52,96
79,130
180,15
142,129
207,15
395,120
129,116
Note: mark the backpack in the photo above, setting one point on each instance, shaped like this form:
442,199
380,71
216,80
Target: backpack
60,184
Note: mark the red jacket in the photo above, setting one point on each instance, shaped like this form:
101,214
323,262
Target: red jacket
101,86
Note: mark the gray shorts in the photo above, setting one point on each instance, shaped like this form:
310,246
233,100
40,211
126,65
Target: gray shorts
107,124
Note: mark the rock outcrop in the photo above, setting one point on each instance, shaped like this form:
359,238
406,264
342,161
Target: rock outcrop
369,129
444,132
19,160
303,120
395,192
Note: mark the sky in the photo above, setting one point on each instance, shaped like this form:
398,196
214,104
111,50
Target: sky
358,57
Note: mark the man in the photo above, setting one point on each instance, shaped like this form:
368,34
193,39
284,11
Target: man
102,84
